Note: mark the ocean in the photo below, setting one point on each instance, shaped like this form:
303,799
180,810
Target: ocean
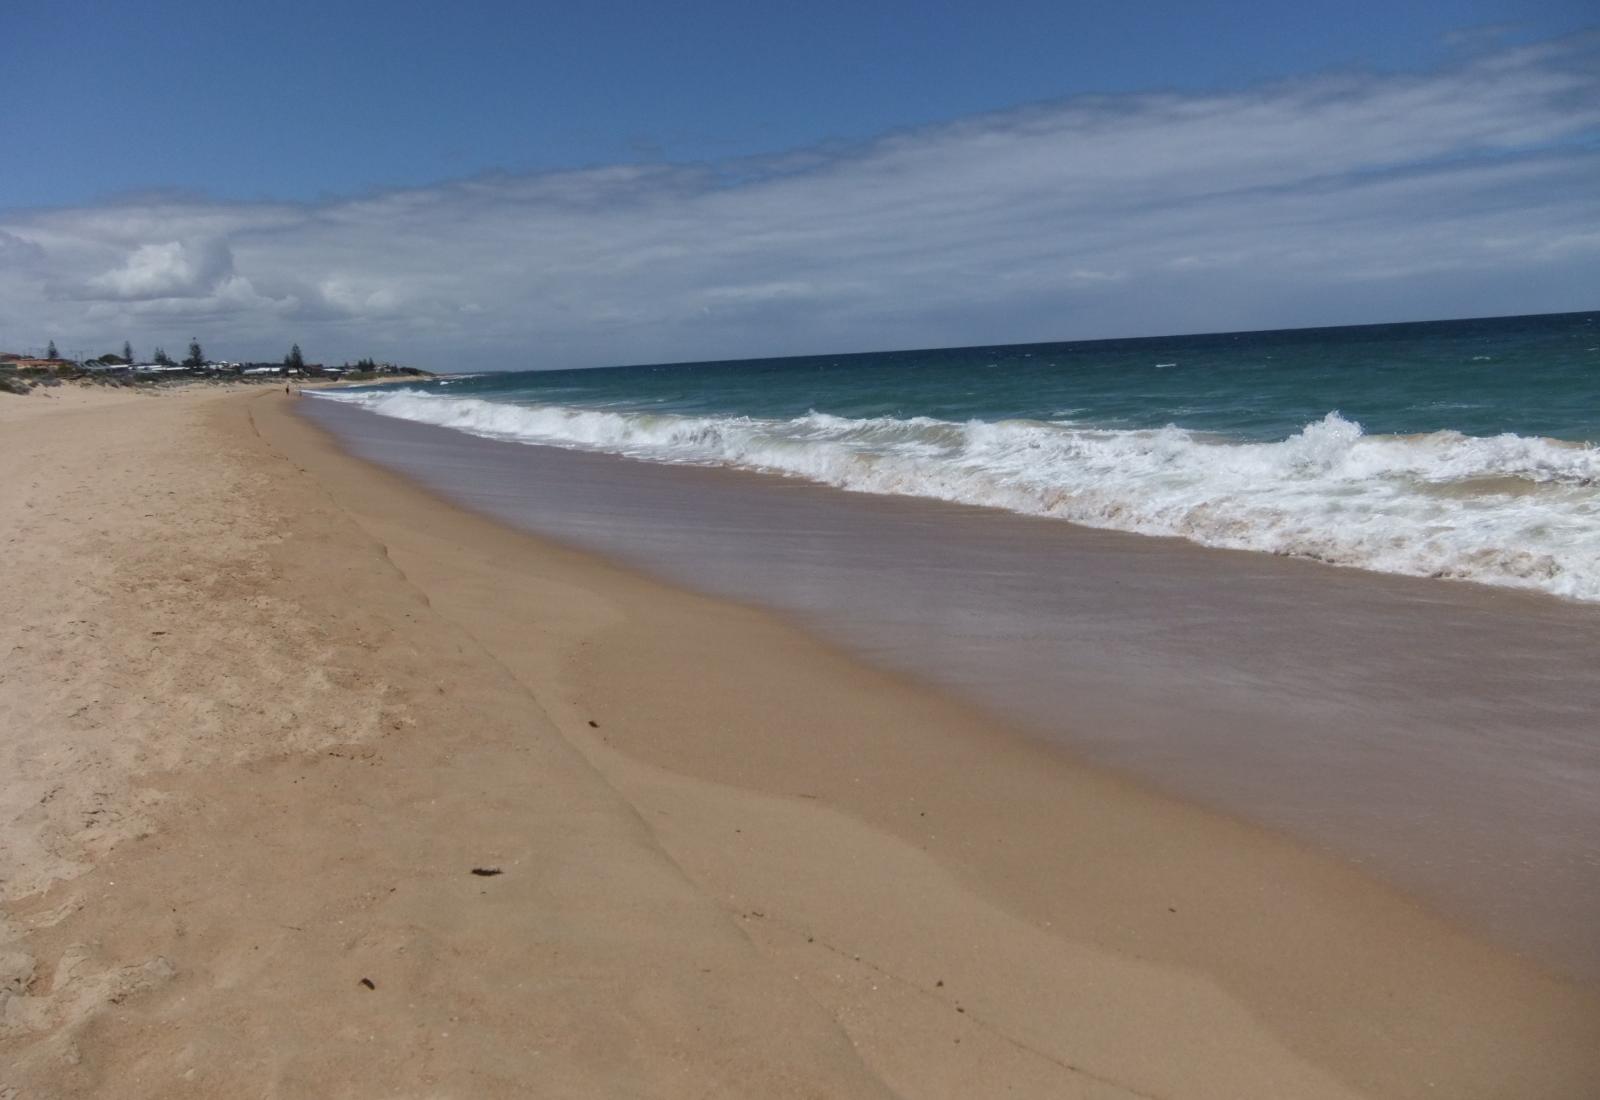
998,541
1451,449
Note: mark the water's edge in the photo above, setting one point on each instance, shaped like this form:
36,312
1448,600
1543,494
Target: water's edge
1437,734
1505,510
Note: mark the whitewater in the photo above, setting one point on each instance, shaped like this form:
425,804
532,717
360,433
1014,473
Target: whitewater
1507,509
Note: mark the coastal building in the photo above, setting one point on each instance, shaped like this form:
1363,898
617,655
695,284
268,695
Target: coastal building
41,364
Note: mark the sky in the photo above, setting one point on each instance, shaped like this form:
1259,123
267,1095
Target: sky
499,185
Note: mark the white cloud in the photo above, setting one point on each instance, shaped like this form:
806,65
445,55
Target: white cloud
170,269
1339,198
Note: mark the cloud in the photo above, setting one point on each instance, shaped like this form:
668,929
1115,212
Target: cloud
1337,198
16,253
170,269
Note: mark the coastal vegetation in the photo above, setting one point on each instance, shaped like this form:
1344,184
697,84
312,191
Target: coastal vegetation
21,373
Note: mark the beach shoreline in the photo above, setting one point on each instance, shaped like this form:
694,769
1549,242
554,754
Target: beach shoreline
732,860
1434,733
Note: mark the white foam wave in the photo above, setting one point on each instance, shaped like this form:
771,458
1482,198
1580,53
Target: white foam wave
1507,510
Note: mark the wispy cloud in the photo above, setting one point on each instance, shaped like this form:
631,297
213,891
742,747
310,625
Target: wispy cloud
1339,198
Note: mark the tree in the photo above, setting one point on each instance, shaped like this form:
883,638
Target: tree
161,357
294,360
127,352
50,352
197,357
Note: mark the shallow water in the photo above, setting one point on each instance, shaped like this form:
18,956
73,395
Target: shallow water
1443,735
1460,450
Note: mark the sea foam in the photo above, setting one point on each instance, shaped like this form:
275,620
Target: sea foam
1506,510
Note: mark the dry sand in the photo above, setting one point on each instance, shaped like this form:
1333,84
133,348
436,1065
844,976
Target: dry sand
264,708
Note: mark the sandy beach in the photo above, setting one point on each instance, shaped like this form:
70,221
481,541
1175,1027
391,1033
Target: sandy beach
313,784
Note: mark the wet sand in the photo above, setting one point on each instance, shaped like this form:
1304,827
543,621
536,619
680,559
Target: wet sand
1442,735
734,860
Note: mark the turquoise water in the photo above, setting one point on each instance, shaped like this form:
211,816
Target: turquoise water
1529,375
1456,449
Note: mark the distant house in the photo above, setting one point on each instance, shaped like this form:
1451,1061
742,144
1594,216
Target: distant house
42,364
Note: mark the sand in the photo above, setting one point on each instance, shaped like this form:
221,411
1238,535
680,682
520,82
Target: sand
264,709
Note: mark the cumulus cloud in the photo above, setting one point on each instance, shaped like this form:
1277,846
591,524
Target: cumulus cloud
1334,199
169,269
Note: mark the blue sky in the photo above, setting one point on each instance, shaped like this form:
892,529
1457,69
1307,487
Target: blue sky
304,100
608,182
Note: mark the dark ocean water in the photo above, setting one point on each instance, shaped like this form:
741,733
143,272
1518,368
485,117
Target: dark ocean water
1456,449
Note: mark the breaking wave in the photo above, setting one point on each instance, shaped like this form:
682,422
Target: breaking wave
1505,510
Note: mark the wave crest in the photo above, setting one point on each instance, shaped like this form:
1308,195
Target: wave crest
1508,509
